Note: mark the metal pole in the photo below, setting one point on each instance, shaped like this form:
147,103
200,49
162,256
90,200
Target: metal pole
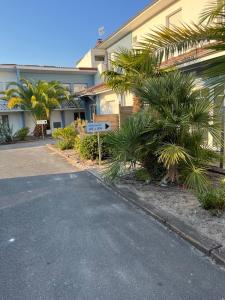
99,150
42,127
222,139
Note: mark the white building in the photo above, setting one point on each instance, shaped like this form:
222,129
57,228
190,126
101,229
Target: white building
158,13
75,79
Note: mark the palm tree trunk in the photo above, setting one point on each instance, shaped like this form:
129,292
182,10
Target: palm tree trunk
38,130
137,104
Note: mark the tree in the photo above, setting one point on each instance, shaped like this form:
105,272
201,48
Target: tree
37,97
129,69
170,134
208,33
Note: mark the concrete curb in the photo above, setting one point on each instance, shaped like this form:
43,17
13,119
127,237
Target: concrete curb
208,246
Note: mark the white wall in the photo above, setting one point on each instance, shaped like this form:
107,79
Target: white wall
29,121
108,103
15,120
55,117
69,117
6,77
125,42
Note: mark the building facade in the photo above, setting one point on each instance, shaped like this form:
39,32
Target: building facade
159,13
85,78
74,79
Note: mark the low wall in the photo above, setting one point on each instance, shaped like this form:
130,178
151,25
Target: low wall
115,119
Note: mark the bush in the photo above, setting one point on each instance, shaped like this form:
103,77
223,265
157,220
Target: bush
213,199
22,133
87,146
6,134
142,175
65,137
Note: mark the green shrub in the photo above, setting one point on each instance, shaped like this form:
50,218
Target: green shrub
213,199
65,137
87,146
6,134
142,175
22,133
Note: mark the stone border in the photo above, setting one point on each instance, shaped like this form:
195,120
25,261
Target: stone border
208,246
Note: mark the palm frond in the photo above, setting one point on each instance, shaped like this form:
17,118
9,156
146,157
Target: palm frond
196,179
213,11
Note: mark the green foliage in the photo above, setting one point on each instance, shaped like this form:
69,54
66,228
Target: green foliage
38,97
130,69
213,199
130,145
6,133
168,139
142,175
87,146
22,133
166,41
65,137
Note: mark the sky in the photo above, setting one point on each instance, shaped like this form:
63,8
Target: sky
58,32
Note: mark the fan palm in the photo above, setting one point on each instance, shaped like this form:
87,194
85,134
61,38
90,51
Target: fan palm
208,33
172,132
129,69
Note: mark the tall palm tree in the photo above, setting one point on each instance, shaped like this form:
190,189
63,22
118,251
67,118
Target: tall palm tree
209,33
37,97
129,69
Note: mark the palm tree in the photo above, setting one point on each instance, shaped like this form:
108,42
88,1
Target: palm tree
209,33
37,97
171,133
129,69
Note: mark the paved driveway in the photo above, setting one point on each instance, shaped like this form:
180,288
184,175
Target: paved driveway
63,235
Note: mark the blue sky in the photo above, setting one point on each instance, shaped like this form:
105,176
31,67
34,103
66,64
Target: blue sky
58,32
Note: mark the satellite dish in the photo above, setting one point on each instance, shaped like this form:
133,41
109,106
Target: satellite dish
101,31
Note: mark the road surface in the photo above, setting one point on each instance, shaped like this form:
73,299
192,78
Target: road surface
63,235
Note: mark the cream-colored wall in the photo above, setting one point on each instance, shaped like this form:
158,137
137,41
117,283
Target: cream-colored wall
106,101
86,61
191,10
128,99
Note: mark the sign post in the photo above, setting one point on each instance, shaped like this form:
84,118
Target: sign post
42,123
97,128
99,150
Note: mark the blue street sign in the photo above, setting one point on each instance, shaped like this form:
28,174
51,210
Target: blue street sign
98,127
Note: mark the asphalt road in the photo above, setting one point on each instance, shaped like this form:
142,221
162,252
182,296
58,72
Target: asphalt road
63,235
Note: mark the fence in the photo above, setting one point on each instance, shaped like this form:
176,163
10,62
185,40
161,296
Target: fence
115,119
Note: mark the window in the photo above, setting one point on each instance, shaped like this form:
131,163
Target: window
174,19
99,58
78,87
4,119
57,125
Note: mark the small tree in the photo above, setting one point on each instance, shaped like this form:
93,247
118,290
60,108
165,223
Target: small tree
170,134
129,69
37,97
